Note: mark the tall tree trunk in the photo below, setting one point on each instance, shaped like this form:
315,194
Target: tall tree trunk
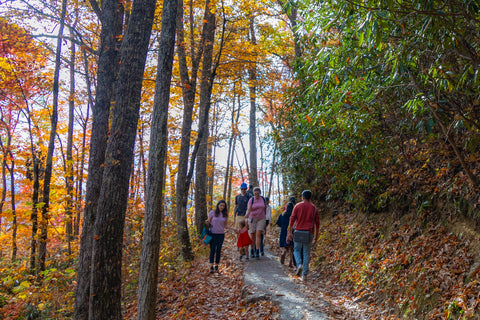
189,84
11,169
230,150
290,8
108,63
147,289
4,188
142,162
262,172
201,175
106,282
69,163
269,194
211,171
246,159
51,146
79,187
252,86
35,191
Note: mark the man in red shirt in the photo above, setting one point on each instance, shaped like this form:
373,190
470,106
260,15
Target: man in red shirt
304,218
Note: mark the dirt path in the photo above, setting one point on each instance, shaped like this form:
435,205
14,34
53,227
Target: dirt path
266,278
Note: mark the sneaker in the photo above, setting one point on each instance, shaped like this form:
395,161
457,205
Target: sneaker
241,257
304,278
282,258
216,269
299,270
247,259
211,269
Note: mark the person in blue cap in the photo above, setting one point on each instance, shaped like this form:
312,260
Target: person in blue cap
240,209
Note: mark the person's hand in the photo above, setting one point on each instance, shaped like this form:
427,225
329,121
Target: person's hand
290,236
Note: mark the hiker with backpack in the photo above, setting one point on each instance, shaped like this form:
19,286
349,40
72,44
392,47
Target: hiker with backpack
256,219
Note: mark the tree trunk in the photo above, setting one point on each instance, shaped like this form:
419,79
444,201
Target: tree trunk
252,86
4,188
147,288
106,298
188,89
108,64
79,187
290,8
35,192
201,175
211,170
51,146
13,207
230,150
69,162
269,194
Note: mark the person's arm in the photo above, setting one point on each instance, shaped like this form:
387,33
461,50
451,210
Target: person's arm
227,226
249,208
235,211
268,215
291,223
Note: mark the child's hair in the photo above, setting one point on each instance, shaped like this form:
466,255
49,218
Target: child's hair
242,224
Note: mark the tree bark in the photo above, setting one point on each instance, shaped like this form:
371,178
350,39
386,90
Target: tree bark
108,64
4,188
51,146
252,86
79,187
35,192
11,169
201,175
189,84
69,162
112,203
147,290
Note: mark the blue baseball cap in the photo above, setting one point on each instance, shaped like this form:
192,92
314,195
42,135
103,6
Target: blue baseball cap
243,185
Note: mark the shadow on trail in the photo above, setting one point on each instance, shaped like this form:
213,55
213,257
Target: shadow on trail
268,279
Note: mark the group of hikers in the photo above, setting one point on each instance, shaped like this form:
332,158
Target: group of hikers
299,225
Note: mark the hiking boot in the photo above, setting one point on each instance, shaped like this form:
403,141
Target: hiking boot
282,258
211,269
262,253
257,254
304,278
299,270
216,269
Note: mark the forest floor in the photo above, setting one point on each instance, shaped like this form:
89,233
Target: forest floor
258,289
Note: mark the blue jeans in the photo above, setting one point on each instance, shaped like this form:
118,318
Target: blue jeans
216,247
302,259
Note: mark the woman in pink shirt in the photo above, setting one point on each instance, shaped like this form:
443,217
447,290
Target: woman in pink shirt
256,219
217,221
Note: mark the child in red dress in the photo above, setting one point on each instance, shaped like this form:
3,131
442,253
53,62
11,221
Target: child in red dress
243,241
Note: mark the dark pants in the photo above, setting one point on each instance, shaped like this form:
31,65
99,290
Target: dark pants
216,247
